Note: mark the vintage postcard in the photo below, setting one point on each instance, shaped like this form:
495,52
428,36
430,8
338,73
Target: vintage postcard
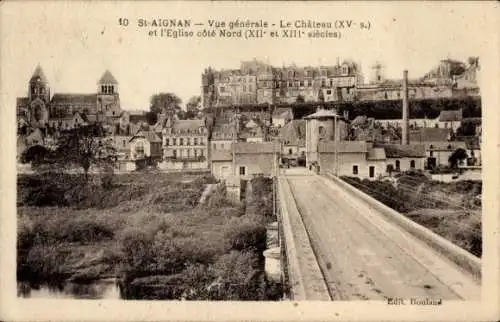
279,161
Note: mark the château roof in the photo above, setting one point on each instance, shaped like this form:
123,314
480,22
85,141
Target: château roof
108,78
404,151
323,114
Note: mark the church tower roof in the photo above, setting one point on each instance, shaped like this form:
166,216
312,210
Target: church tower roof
108,78
38,74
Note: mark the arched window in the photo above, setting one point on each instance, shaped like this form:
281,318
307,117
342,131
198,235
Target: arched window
412,164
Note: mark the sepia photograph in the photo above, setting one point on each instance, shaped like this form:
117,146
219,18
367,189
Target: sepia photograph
235,153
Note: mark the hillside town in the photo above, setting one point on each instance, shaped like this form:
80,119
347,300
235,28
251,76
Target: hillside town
247,122
189,201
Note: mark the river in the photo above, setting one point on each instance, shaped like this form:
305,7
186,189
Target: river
102,289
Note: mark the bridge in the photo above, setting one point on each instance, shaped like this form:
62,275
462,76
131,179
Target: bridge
340,244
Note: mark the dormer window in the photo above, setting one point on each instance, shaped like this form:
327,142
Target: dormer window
449,147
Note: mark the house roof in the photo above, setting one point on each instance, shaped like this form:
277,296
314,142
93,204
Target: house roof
404,151
359,120
283,112
187,125
108,78
256,147
429,134
151,136
322,113
221,155
343,146
70,98
450,116
446,145
376,154
293,133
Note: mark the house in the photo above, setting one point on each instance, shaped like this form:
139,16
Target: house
221,164
222,137
293,138
474,152
438,153
450,119
350,158
253,130
145,144
122,145
281,116
400,158
185,144
252,158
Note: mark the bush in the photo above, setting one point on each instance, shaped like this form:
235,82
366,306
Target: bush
246,233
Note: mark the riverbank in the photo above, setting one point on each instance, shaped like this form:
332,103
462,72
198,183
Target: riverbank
451,210
146,229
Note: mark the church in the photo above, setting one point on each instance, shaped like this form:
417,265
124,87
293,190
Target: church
40,115
64,110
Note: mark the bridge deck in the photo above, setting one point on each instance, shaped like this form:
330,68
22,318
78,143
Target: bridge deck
364,256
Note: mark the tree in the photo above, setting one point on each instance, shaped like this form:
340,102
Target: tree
457,156
300,99
151,118
84,146
193,107
36,154
165,103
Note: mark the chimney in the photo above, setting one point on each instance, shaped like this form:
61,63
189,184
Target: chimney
405,136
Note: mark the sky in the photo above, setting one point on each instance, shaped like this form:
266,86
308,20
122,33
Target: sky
75,42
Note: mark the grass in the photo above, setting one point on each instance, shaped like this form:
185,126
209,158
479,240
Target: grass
140,228
451,210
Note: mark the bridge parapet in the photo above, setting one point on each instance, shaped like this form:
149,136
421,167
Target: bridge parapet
451,251
305,279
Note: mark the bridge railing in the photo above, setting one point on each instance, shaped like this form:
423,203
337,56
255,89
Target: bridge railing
453,252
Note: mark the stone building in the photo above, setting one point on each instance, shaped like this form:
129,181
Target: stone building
185,144
63,111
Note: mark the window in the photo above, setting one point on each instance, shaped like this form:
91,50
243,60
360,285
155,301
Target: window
355,169
201,152
371,171
175,154
195,141
290,151
242,171
321,131
188,141
412,164
222,89
244,88
167,141
124,142
449,147
174,141
389,168
301,83
431,154
181,141
398,165
195,153
329,92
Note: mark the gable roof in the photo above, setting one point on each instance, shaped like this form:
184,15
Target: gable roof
450,116
446,145
187,125
256,148
293,133
343,146
429,134
376,154
69,98
108,78
151,136
404,150
322,113
221,155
